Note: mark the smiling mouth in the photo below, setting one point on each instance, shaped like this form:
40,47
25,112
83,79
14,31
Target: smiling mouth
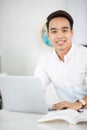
60,43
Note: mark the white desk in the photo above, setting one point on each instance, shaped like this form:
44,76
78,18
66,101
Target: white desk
27,121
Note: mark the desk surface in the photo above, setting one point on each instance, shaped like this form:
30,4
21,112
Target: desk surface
27,121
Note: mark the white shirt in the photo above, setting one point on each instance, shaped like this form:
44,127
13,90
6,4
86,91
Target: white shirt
69,77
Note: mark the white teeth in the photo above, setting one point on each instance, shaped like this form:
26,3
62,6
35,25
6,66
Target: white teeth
61,42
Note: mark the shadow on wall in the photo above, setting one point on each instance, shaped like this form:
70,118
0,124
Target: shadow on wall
0,102
85,45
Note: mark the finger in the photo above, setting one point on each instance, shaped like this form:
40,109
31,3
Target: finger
58,106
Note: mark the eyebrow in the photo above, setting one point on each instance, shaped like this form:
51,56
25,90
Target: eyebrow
65,27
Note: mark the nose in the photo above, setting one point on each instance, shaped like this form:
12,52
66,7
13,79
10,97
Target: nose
59,35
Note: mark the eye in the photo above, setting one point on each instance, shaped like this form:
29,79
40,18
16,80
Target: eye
65,30
53,31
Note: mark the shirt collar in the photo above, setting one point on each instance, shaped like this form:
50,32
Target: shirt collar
67,56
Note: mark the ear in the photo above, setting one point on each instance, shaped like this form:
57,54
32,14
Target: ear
48,34
72,31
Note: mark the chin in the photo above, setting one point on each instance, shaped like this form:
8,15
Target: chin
61,47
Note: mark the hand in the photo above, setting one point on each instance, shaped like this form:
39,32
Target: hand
67,105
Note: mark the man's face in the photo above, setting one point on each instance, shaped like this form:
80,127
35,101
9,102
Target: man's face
60,33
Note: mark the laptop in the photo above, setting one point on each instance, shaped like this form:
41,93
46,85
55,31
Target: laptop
22,94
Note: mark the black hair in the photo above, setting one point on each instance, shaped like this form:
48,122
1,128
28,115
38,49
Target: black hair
59,13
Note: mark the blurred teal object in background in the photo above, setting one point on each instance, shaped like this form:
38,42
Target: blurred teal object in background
44,36
46,39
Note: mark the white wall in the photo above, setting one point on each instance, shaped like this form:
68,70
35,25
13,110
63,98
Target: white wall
78,9
20,24
19,33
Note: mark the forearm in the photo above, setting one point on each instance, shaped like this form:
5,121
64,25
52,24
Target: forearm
78,104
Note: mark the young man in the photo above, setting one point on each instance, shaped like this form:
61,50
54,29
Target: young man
66,65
